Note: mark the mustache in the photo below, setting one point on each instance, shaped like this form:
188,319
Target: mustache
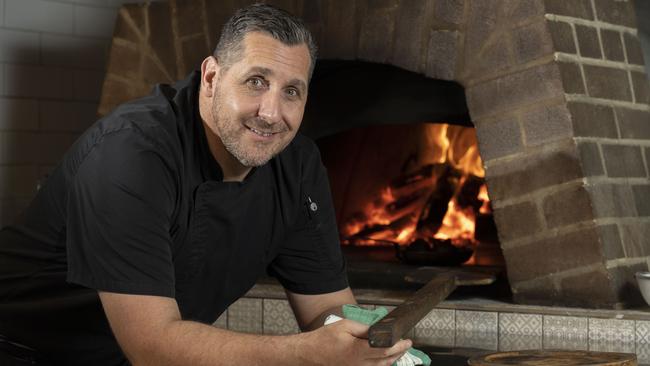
263,125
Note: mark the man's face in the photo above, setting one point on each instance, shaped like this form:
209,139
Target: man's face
259,100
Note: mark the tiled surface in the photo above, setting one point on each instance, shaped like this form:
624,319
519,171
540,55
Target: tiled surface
520,324
279,318
611,335
486,330
488,340
222,321
566,332
476,321
516,342
436,328
245,315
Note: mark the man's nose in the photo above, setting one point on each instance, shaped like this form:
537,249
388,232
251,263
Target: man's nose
270,107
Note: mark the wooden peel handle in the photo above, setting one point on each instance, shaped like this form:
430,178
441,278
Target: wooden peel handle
390,329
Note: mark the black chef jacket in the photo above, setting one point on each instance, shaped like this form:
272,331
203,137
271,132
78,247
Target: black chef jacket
138,206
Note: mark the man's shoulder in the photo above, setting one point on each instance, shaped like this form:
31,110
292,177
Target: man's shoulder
300,151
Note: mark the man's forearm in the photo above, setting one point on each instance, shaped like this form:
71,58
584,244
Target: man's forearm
190,343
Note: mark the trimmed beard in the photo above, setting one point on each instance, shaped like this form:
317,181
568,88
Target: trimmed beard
230,132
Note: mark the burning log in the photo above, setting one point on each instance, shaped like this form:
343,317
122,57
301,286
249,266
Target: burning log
434,252
469,193
435,208
383,232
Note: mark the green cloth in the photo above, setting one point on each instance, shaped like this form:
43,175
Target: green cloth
370,317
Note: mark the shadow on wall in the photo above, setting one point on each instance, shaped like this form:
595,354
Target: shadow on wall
49,96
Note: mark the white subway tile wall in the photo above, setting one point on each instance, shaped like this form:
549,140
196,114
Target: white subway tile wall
53,56
18,114
40,15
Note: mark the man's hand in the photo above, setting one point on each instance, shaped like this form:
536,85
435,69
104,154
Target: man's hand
345,343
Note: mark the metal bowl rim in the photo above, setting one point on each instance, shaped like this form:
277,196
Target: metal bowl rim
643,275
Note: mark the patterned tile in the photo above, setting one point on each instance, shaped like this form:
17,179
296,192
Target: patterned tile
520,324
486,340
566,332
222,321
435,337
517,342
245,315
436,329
611,335
477,321
279,318
642,332
643,353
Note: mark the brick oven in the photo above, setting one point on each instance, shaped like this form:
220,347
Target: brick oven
556,91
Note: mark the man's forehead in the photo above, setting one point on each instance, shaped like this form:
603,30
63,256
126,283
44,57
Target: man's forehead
267,55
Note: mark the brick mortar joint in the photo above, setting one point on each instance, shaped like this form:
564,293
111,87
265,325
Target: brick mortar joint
616,141
591,23
542,192
605,102
622,262
556,277
549,147
550,234
617,65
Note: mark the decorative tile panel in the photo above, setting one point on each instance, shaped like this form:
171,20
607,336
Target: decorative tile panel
487,340
520,324
222,321
566,332
245,315
642,332
279,318
517,342
611,335
642,341
436,329
476,321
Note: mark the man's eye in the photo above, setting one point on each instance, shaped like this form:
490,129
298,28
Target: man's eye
256,83
292,92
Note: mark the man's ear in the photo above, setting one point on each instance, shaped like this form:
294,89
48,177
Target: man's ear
209,75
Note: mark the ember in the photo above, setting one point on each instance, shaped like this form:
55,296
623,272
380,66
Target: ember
434,200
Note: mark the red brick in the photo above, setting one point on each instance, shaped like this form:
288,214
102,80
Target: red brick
612,45
616,12
571,78
574,8
633,123
376,35
517,221
607,83
641,87
510,91
411,34
554,254
591,120
531,41
633,49
623,161
562,36
566,207
533,171
588,41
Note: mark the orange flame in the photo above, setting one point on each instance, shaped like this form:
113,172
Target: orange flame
453,145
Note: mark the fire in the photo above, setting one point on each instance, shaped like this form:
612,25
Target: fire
410,207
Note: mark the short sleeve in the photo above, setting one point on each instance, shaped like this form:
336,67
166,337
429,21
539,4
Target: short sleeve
310,261
119,209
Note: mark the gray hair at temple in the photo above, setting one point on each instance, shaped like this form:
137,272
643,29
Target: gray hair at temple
265,18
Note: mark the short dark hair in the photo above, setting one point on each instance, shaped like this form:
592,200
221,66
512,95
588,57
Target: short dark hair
264,18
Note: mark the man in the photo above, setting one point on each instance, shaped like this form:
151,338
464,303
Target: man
166,211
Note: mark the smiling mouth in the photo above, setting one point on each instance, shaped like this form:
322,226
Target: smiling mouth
261,133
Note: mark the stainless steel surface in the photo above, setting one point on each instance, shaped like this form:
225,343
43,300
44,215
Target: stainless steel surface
643,279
